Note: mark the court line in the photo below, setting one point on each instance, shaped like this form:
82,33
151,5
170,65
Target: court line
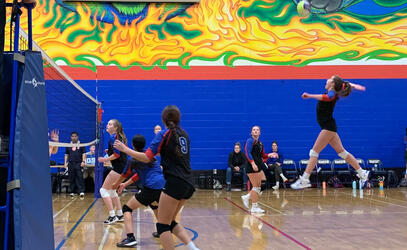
76,224
371,199
138,229
271,208
67,205
269,225
105,234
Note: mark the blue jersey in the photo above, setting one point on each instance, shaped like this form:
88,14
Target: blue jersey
149,174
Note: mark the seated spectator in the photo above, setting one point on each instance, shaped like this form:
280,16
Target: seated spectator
274,163
89,168
236,163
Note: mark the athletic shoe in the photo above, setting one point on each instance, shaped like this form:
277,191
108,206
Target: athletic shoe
364,178
155,235
276,187
120,218
72,194
245,199
228,187
256,210
301,183
128,242
110,220
82,194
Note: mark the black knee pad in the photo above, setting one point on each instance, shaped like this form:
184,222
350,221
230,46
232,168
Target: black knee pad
161,228
153,207
126,209
173,224
263,185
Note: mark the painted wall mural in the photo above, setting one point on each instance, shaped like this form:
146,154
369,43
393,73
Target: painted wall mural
227,32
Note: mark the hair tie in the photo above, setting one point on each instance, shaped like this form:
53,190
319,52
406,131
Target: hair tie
343,85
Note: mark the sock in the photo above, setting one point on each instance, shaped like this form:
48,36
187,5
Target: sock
130,235
283,177
191,246
111,213
119,212
305,175
360,171
254,204
247,195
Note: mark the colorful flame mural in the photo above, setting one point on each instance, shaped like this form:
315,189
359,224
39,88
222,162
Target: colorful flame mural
267,32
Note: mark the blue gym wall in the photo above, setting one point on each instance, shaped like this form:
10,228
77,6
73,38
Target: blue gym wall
217,113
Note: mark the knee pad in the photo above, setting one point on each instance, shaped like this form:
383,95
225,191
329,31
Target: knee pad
113,193
312,153
343,154
153,207
126,208
104,193
257,189
173,224
161,228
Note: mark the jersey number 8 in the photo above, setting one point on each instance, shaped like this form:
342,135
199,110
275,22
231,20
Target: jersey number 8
183,143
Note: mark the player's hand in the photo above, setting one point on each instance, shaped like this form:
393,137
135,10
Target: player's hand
102,159
120,188
82,164
119,145
254,166
55,135
305,95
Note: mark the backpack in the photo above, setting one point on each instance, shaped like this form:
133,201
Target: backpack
403,182
335,182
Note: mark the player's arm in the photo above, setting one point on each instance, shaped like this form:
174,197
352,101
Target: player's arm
357,86
328,97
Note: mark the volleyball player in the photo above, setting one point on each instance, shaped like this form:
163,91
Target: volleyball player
335,88
173,144
118,160
151,178
254,151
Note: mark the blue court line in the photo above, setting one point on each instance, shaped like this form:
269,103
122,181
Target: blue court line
193,238
76,224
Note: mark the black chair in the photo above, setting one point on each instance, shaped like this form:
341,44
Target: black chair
341,170
290,169
378,172
324,169
237,180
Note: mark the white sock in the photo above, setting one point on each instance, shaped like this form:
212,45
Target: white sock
111,213
283,177
119,212
305,175
254,204
191,246
247,195
360,171
277,183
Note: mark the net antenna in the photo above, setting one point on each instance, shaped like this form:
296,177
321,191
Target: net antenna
70,107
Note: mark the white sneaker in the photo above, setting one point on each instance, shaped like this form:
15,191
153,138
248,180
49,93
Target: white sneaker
245,199
256,210
364,178
82,194
301,183
276,187
72,194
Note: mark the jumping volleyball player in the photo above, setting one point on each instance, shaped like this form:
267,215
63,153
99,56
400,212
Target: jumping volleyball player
118,160
173,144
152,180
336,88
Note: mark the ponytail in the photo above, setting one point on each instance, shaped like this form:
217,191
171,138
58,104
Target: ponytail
341,87
119,130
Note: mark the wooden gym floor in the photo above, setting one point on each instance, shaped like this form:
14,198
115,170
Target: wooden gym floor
307,219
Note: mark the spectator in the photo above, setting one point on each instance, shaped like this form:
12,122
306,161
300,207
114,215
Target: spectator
89,168
274,163
236,163
157,128
75,158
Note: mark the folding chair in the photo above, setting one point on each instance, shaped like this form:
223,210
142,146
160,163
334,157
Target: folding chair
290,169
341,169
324,169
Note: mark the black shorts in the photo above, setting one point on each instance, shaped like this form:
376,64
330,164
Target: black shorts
148,196
178,189
249,169
118,169
328,125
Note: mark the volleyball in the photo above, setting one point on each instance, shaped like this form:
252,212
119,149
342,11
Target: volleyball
303,8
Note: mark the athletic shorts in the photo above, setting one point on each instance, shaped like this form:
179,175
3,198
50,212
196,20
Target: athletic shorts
118,169
249,169
328,125
148,196
178,189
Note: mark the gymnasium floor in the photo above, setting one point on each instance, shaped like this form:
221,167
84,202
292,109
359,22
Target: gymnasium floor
306,219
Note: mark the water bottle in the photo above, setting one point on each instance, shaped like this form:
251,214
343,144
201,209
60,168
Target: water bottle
354,185
381,185
323,185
